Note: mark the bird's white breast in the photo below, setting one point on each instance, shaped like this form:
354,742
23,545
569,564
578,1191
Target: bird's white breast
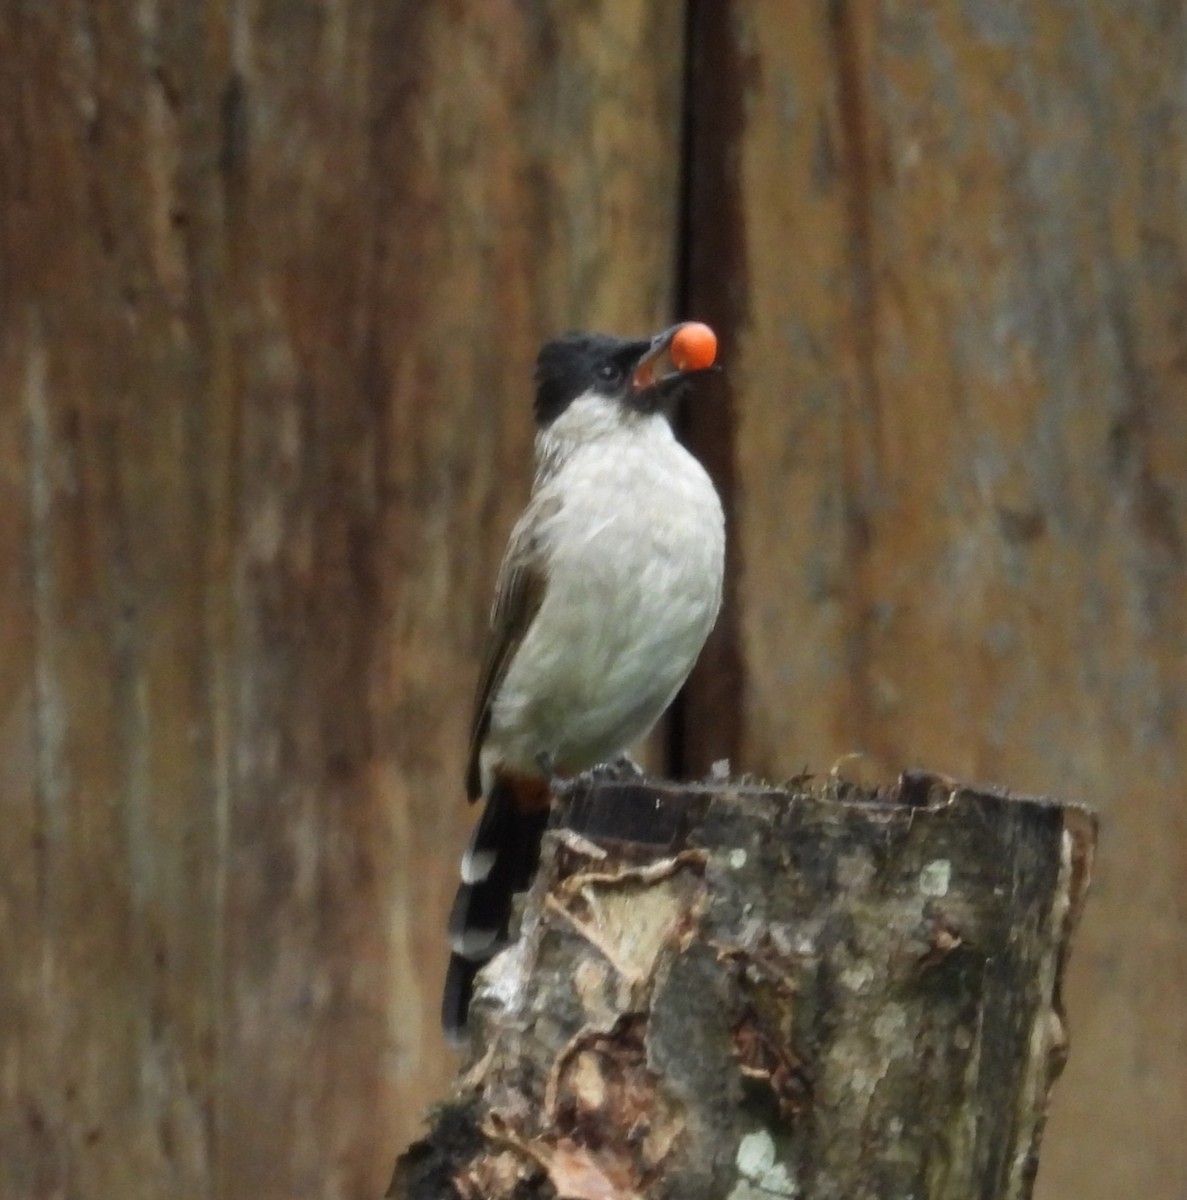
634,549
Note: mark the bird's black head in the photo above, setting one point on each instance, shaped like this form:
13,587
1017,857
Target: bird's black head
637,372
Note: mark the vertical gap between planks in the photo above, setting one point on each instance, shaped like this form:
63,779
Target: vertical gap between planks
711,285
675,730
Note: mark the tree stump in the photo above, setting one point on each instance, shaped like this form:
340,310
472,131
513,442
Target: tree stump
724,990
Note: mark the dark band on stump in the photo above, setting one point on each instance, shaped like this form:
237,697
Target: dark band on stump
733,991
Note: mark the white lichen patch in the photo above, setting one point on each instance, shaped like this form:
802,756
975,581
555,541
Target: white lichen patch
756,1154
737,858
935,877
761,1174
503,979
778,1180
861,1083
857,977
890,1024
855,872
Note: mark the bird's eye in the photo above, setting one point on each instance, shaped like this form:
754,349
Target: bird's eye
610,373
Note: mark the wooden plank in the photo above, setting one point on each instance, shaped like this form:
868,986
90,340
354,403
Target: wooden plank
110,829
958,277
274,278
527,181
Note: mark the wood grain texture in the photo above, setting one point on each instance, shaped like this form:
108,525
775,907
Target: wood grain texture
114,776
958,261
271,279
274,275
527,183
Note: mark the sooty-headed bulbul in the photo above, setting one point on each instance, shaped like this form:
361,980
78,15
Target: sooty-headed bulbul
608,589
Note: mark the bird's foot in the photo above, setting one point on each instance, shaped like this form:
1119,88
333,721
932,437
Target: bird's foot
622,769
559,785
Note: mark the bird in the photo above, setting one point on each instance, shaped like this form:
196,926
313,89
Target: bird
610,584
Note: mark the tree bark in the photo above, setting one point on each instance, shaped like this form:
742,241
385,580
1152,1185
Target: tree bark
747,991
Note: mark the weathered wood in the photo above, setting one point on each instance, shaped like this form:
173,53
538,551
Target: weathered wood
955,242
823,993
272,277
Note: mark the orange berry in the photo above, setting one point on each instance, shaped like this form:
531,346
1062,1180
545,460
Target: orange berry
694,347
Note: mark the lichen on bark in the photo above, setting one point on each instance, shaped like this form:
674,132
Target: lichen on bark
723,990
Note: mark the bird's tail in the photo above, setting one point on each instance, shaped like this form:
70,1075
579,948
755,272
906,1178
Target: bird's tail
500,861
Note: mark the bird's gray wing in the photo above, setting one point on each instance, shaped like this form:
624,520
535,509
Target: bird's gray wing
519,593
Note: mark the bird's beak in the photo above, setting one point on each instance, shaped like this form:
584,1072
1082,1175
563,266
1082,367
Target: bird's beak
658,369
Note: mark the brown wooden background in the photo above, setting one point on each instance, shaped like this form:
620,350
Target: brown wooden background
272,275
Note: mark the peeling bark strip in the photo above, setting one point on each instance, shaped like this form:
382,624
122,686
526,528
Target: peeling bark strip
813,994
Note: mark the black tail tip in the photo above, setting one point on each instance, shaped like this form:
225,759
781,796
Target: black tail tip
455,1000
